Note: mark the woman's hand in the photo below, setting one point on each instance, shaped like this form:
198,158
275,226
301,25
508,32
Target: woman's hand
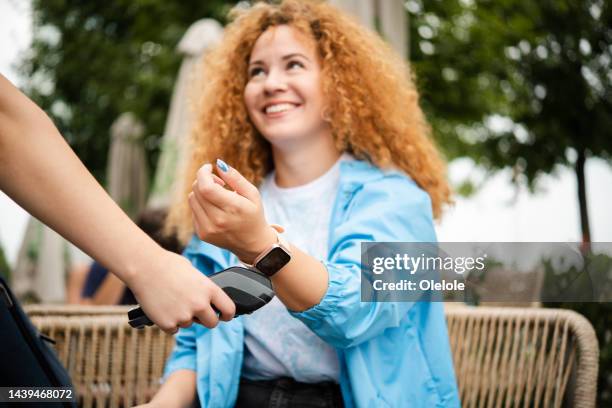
233,220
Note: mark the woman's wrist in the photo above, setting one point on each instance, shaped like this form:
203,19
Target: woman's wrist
257,244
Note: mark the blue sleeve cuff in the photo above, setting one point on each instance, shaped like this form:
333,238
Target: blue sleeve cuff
179,364
183,356
338,290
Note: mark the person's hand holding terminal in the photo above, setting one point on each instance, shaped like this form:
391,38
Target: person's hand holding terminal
42,174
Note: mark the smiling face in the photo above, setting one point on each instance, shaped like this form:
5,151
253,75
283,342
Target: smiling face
283,95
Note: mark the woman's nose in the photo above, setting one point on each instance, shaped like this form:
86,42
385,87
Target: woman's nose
275,81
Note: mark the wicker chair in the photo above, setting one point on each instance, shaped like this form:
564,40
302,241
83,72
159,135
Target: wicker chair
503,357
523,357
111,364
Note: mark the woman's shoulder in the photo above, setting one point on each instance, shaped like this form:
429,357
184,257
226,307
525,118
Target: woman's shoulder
387,201
366,179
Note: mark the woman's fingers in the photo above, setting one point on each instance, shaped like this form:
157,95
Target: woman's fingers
215,215
218,180
210,191
200,217
225,306
237,182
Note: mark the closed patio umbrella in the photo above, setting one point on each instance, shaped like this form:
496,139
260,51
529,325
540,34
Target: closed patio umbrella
126,172
40,269
200,37
391,15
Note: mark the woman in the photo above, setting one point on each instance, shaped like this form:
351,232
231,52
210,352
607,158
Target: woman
324,118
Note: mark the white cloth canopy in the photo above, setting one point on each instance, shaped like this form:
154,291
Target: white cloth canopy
42,263
126,172
200,37
391,15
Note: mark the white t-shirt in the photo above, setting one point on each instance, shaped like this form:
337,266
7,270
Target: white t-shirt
277,344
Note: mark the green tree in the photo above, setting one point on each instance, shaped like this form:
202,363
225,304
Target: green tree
542,68
91,61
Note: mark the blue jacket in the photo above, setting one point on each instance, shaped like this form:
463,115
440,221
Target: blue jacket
392,354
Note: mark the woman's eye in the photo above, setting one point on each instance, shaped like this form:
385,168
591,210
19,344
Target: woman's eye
255,71
294,64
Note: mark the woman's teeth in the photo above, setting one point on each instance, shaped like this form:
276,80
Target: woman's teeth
281,107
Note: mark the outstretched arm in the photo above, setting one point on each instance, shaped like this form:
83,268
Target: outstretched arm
326,296
234,220
42,174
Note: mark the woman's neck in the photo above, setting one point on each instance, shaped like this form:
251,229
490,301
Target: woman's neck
303,164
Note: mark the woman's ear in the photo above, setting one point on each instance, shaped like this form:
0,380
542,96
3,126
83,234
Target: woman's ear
325,114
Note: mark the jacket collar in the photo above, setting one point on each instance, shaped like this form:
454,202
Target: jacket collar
356,173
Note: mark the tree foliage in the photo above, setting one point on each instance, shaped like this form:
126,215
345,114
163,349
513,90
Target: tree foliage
542,70
517,83
92,61
542,66
545,65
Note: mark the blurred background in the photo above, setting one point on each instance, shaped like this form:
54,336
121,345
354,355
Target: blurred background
518,93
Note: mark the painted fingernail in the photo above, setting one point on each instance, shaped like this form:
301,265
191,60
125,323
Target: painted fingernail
222,165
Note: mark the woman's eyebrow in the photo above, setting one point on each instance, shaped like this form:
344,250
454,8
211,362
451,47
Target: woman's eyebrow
295,54
284,58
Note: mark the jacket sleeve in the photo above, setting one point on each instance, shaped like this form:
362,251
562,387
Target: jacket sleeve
392,209
207,259
183,355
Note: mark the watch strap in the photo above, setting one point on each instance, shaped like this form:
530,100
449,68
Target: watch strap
282,245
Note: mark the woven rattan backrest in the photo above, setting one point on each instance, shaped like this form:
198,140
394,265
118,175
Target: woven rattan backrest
110,363
523,357
503,357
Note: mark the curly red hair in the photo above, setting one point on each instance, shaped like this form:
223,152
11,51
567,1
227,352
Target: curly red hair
372,102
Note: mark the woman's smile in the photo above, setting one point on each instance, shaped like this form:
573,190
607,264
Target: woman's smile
283,95
274,110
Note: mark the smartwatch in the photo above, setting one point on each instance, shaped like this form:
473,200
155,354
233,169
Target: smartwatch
273,258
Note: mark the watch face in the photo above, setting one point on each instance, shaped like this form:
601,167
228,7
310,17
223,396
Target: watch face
273,261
